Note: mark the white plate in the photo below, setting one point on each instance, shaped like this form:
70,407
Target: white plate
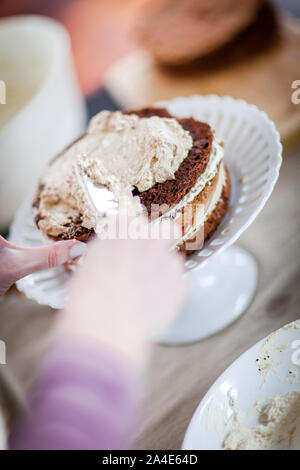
243,381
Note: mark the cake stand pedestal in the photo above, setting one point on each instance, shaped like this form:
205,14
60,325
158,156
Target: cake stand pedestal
221,291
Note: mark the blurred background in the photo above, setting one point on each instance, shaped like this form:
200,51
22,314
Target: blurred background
131,53
101,32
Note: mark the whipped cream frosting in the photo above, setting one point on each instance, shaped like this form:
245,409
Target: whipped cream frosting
210,205
120,151
210,172
136,151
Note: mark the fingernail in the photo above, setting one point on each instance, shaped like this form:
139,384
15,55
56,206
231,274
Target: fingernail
77,250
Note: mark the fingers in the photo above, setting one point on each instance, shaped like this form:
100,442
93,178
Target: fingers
23,261
50,256
6,244
17,262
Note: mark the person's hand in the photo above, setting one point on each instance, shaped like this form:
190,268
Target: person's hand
123,292
17,262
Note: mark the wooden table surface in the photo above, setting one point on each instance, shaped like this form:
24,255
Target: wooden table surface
180,376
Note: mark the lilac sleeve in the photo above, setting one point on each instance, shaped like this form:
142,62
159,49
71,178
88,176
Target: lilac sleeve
83,398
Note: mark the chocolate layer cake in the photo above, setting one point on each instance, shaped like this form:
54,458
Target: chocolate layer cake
173,167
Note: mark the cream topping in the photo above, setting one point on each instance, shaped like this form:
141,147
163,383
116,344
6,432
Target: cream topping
136,151
120,151
210,172
202,215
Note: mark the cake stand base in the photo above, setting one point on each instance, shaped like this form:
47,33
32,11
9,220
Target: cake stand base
220,293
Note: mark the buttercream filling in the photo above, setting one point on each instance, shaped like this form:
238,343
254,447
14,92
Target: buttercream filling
210,172
206,210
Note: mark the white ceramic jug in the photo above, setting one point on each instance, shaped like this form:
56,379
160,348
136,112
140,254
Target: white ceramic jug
44,109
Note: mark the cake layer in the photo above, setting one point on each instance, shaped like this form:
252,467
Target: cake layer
203,181
205,203
172,191
216,202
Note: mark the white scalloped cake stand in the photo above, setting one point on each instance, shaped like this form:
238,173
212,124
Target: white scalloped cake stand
223,285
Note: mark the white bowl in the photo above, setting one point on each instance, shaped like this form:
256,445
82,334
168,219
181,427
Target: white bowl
247,381
44,109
